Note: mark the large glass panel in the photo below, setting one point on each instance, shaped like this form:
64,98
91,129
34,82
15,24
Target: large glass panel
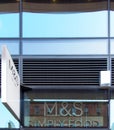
9,18
112,46
64,47
65,108
12,45
112,110
65,19
112,18
6,119
112,24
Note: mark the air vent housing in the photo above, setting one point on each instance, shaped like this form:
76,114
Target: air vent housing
84,71
105,79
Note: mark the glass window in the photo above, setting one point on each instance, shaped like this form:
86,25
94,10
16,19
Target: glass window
65,24
65,108
112,110
12,45
51,18
112,24
6,119
9,18
112,18
112,46
64,47
112,114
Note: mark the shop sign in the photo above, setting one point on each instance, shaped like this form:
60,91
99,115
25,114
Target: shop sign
10,84
65,114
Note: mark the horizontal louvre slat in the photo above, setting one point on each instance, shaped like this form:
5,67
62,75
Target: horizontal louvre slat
63,71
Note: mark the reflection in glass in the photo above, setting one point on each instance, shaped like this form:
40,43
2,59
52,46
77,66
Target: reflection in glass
6,119
82,18
66,110
60,114
9,6
13,46
112,110
64,5
112,23
112,18
64,47
112,46
9,25
112,114
9,18
65,24
65,18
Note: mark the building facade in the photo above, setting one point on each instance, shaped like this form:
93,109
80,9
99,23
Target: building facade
59,48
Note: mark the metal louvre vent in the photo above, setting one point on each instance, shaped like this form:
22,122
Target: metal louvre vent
62,71
112,71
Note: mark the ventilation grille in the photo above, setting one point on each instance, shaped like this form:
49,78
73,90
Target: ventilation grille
62,71
112,71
